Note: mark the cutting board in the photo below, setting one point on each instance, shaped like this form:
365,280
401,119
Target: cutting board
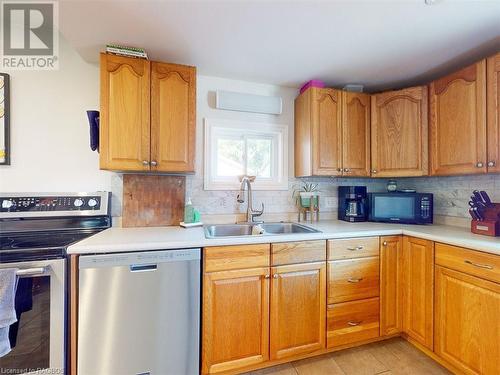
153,200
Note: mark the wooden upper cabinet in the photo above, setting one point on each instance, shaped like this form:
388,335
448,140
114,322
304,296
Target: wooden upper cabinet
493,116
235,331
326,133
148,115
124,116
467,322
399,133
391,288
173,117
418,292
298,309
458,122
355,134
332,133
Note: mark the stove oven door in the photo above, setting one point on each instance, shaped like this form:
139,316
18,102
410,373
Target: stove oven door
37,339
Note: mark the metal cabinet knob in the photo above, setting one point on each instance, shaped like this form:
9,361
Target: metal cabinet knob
154,163
384,243
491,163
275,276
267,276
374,171
347,170
145,162
479,164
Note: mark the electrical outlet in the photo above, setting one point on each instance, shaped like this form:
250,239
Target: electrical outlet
330,202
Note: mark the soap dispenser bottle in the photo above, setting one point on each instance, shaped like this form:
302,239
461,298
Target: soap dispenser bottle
189,212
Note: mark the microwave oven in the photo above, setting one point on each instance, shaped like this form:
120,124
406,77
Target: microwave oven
399,207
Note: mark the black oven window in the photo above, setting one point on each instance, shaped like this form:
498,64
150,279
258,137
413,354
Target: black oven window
30,336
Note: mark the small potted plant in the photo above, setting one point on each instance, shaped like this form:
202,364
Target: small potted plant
307,192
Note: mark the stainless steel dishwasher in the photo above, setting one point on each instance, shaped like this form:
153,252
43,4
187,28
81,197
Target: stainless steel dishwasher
139,313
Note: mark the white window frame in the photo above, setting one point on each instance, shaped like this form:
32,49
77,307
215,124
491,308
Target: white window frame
279,167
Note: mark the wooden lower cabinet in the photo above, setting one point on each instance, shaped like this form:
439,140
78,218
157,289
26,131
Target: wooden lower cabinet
467,332
298,309
418,292
235,319
391,288
353,321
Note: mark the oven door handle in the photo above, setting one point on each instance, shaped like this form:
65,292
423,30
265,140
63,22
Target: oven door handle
30,272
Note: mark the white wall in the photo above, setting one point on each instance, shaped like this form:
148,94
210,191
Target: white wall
49,129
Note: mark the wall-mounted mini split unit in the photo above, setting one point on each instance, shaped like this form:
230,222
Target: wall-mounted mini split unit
237,101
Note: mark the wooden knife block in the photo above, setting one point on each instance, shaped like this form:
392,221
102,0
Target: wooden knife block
490,226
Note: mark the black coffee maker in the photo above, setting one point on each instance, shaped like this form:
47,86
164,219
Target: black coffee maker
353,203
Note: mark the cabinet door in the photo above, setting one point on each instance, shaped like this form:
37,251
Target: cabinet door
458,122
391,289
298,309
418,294
399,133
173,117
235,319
327,132
467,322
124,116
493,95
355,134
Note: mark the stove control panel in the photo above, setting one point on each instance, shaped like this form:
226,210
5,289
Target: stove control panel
50,203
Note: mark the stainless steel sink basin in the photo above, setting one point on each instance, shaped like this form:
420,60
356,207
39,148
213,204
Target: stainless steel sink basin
241,230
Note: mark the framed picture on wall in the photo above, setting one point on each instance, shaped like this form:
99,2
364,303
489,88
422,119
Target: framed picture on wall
4,119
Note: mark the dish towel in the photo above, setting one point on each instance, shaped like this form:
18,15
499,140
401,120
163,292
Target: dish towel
8,284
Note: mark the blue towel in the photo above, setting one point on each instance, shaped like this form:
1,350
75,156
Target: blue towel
8,284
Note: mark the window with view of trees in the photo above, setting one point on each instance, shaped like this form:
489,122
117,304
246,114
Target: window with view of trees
233,149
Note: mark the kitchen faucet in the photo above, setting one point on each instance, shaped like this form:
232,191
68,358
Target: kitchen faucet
251,214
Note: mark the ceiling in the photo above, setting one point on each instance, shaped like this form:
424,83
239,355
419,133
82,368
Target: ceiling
380,44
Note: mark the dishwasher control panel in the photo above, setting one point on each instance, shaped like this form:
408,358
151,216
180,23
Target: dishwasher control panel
135,259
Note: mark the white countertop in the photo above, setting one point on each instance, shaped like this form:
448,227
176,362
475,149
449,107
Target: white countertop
162,238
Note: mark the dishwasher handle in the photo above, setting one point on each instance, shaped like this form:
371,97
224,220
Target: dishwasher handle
143,267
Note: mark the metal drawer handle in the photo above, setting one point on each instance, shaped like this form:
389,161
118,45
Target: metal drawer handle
352,324
29,272
352,280
355,248
486,266
143,267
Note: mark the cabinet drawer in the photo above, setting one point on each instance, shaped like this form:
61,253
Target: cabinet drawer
353,279
297,252
486,266
353,321
353,248
225,258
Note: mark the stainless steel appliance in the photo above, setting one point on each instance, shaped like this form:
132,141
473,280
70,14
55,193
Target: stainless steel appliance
35,230
139,313
401,207
353,201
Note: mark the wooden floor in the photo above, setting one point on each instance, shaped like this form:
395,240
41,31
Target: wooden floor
394,356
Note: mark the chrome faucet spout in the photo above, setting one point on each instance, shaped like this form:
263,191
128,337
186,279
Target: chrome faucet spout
246,183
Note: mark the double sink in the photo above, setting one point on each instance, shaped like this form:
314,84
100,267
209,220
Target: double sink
254,229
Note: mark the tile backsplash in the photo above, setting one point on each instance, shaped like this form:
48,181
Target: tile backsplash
451,195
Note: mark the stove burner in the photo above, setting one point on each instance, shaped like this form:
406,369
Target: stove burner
40,240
